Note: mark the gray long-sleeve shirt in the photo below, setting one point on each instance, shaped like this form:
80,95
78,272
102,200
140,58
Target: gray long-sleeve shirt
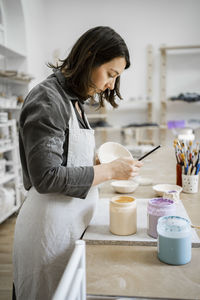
43,140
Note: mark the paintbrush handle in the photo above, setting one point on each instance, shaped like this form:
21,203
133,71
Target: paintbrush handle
198,168
193,171
142,157
189,169
195,226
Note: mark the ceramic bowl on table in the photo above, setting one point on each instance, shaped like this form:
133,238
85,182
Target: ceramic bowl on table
170,191
124,186
110,151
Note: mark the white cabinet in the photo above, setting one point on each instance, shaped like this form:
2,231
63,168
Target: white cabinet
13,63
9,170
13,88
14,82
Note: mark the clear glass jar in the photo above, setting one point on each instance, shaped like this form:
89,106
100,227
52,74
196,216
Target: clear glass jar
123,215
156,208
174,240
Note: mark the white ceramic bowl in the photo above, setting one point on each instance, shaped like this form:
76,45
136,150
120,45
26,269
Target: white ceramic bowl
124,186
143,180
110,151
160,189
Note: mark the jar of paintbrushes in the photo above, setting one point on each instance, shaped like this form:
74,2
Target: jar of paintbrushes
188,165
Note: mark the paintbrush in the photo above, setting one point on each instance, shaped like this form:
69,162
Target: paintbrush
142,157
195,161
195,226
176,152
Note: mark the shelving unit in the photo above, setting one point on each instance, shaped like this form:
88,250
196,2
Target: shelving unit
10,86
14,79
125,107
12,174
149,81
144,135
100,115
164,101
14,85
150,130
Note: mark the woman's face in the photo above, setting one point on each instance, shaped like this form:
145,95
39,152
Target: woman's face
104,77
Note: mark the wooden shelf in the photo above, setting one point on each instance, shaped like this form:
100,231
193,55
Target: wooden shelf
124,128
96,116
7,177
8,214
108,128
162,126
15,80
6,148
181,101
132,105
10,107
179,47
9,123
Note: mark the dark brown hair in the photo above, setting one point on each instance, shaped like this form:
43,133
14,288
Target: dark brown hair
95,47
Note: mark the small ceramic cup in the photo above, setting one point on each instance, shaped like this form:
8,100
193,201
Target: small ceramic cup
172,195
190,183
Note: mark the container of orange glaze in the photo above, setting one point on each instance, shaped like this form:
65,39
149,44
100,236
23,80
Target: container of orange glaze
123,215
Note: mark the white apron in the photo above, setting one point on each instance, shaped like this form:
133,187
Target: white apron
48,225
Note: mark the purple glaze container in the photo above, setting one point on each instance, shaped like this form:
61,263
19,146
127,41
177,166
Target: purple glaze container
156,208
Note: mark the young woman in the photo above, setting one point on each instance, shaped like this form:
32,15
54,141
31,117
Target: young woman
57,157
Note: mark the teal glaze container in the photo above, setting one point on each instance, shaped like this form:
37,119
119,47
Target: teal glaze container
174,240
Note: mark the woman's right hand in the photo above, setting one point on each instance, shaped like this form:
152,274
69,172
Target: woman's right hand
124,168
119,169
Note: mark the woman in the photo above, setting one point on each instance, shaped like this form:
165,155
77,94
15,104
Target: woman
57,156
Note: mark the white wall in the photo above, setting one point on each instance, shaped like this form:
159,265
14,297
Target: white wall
54,26
36,30
14,25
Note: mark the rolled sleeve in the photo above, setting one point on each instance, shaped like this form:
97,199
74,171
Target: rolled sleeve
42,133
79,181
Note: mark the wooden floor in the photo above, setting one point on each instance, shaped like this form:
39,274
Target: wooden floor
6,244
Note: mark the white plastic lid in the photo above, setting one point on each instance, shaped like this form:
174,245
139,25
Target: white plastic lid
173,226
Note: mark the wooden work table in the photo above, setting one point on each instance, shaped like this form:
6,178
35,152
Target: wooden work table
136,271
